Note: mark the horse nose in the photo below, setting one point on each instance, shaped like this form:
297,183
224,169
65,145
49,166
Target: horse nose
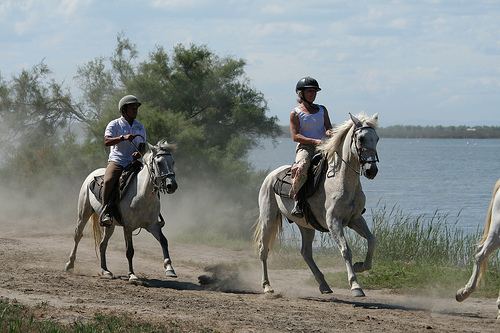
171,186
371,171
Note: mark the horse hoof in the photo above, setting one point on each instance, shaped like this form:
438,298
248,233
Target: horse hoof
358,267
68,267
170,273
107,275
461,295
326,291
357,293
268,289
132,277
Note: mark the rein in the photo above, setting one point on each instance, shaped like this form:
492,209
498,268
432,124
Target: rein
359,151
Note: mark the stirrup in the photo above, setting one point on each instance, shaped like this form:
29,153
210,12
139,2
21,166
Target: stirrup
105,220
297,211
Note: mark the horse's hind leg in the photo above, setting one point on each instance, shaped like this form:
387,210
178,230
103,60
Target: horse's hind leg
306,251
269,222
84,213
483,251
167,263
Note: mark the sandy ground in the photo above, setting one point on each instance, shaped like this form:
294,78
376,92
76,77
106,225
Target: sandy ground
33,257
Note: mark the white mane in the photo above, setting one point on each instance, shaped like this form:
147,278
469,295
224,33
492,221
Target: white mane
334,143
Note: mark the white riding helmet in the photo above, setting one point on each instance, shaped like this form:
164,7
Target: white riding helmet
129,99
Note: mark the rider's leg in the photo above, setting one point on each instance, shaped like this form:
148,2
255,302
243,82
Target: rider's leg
299,175
111,177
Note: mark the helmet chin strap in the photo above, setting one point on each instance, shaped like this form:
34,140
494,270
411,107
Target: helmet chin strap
311,105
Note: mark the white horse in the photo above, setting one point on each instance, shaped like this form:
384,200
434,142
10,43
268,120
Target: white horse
489,243
139,208
338,202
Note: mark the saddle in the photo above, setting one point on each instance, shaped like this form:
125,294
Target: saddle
120,189
283,184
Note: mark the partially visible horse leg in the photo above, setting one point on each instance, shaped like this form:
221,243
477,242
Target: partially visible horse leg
130,253
167,263
267,228
362,229
102,249
268,231
84,212
337,232
306,252
483,251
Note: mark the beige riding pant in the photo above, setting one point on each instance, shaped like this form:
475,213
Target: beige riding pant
304,154
111,177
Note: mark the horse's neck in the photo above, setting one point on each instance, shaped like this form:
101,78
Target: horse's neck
145,185
346,165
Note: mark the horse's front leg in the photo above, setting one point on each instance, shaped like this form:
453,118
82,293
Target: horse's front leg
102,248
306,252
359,225
337,232
483,251
167,262
129,246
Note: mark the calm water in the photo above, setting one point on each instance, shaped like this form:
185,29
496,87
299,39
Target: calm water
450,176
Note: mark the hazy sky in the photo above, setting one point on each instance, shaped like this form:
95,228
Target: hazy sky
415,62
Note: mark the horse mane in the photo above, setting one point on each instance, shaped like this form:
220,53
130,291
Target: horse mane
161,147
339,132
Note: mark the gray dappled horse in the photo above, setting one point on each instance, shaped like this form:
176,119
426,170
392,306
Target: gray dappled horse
139,208
338,202
488,244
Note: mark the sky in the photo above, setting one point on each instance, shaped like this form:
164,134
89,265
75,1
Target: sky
415,62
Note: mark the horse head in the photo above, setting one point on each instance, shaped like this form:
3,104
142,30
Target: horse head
364,143
161,165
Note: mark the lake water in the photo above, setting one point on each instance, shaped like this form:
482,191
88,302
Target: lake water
425,176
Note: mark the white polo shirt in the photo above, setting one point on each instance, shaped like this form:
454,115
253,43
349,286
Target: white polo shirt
121,153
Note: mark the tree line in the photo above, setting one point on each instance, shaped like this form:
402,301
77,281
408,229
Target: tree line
431,132
190,96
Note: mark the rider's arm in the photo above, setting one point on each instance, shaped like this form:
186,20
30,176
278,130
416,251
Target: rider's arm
111,141
328,124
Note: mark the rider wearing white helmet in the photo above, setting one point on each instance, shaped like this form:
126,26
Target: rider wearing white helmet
123,135
309,125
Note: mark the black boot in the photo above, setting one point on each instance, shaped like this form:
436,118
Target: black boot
106,218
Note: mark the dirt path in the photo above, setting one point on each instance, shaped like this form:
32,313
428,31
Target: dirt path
32,263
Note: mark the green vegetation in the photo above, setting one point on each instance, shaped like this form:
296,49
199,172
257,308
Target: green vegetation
416,255
190,96
17,318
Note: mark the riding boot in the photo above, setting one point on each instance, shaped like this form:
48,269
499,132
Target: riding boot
106,218
297,209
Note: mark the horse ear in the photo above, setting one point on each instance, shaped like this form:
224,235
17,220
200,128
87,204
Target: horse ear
152,148
375,116
356,121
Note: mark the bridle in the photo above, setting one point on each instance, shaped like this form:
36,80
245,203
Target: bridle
360,150
157,177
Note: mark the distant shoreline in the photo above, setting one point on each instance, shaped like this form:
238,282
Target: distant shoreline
429,132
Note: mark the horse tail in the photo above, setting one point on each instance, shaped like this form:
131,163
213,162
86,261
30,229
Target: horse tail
487,226
257,235
96,232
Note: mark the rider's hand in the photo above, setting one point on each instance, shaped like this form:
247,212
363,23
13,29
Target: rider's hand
129,137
